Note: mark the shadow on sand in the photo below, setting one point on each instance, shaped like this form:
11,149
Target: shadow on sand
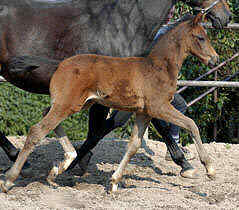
108,152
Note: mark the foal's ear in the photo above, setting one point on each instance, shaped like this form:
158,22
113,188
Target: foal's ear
198,19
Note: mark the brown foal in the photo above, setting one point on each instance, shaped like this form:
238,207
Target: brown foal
130,84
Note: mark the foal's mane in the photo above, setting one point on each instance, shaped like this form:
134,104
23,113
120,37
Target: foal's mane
166,28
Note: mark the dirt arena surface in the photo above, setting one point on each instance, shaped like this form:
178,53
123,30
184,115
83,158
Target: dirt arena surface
149,182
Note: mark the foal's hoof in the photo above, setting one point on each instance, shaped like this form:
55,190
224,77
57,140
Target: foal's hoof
53,174
113,187
6,185
52,183
211,173
189,173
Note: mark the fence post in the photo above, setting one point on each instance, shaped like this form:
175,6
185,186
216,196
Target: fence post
215,105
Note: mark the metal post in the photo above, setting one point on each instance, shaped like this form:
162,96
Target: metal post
215,105
209,72
207,83
210,90
2,79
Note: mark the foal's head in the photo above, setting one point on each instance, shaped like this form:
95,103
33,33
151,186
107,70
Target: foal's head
198,43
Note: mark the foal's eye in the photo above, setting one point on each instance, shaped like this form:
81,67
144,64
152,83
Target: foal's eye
200,38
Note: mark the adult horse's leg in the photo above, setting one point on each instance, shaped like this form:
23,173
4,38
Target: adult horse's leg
176,153
141,123
10,150
98,128
168,113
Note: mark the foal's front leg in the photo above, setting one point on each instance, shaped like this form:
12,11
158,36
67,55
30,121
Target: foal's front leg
141,123
177,155
168,113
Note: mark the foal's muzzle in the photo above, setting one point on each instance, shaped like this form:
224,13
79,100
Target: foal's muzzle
213,61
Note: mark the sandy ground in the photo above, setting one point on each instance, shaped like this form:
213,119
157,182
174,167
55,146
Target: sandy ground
149,182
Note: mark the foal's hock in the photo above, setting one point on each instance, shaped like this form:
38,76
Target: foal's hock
129,84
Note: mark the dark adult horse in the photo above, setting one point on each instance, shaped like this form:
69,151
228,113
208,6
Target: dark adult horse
35,34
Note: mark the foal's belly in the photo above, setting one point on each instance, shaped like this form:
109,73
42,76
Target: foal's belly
136,106
125,100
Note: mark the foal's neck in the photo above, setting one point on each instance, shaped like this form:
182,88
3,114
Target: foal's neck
169,52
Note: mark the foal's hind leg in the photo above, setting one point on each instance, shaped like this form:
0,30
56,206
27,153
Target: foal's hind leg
37,132
69,156
168,113
141,123
59,131
67,147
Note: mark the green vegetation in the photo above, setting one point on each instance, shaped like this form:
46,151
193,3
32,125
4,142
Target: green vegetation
20,110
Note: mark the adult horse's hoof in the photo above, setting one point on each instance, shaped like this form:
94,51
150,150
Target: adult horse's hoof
26,170
189,173
6,185
84,162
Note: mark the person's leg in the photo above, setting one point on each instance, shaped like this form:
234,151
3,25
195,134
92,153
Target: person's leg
99,126
172,147
180,104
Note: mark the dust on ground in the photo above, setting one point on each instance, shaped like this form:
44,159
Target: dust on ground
149,181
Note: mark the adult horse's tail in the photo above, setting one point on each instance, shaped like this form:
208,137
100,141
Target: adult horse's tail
26,64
